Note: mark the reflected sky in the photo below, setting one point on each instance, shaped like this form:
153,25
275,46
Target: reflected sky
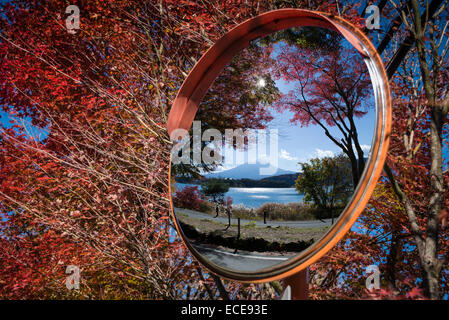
299,144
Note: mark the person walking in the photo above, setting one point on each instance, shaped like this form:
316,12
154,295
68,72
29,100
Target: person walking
216,210
228,212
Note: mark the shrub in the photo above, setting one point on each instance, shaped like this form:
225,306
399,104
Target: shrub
188,198
240,211
207,207
279,211
287,211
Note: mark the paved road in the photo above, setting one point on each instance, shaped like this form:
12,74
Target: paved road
274,224
241,260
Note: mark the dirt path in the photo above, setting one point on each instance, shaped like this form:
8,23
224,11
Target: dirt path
274,224
284,234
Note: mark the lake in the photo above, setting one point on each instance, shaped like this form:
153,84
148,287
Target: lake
255,197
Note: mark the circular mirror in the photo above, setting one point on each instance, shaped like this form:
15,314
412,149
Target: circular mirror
278,144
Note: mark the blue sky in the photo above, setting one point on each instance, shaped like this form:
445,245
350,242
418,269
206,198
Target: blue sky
4,118
299,144
36,132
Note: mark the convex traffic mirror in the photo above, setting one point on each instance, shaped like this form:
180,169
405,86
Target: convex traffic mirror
279,136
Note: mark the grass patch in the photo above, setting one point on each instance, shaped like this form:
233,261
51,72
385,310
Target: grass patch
283,212
294,211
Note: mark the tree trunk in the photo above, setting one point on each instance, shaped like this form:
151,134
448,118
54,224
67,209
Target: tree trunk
395,248
429,252
429,257
354,167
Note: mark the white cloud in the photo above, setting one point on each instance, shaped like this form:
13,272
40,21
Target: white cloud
286,155
324,153
365,147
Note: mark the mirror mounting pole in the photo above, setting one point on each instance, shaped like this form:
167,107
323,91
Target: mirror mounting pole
299,285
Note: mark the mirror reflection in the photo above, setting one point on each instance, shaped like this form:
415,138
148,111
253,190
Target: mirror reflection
276,150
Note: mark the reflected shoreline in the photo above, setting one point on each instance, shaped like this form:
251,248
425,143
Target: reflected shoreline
252,198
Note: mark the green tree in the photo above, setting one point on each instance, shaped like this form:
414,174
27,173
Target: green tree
326,182
215,188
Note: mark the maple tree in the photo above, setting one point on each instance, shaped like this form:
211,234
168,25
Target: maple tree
234,101
94,181
83,165
331,89
83,181
189,198
430,100
402,230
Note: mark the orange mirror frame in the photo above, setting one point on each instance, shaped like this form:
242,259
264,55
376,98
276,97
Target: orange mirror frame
209,67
